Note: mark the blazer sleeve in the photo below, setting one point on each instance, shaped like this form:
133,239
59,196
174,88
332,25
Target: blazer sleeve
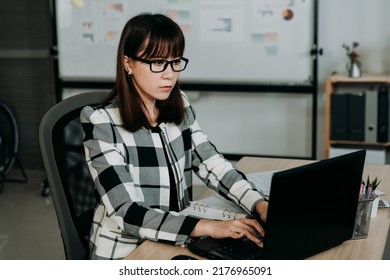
215,171
105,154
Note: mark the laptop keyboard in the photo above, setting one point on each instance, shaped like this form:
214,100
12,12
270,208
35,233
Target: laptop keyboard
243,249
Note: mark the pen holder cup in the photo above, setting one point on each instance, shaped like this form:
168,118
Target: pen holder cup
363,218
375,205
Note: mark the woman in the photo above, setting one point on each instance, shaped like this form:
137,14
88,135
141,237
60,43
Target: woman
143,144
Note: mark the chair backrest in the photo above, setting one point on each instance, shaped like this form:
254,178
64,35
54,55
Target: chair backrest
9,139
71,186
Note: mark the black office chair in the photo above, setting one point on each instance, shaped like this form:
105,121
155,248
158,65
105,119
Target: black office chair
70,183
9,146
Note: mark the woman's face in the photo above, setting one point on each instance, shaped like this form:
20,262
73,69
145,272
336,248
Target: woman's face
151,86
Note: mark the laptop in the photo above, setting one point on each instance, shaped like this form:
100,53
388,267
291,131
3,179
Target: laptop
312,208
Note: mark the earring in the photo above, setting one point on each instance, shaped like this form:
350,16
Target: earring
129,73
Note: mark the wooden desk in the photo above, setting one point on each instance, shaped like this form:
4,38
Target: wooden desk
364,249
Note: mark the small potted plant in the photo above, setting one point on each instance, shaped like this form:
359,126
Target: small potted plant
354,66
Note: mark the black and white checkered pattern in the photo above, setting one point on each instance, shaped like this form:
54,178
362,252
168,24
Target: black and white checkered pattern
131,175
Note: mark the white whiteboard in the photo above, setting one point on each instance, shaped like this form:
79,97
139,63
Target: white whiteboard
227,41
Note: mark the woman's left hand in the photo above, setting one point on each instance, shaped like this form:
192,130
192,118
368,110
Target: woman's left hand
262,209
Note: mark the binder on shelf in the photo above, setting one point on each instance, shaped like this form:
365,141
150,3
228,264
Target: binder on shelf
339,116
383,114
371,119
356,116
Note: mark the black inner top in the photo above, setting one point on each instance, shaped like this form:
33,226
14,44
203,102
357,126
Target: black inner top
173,203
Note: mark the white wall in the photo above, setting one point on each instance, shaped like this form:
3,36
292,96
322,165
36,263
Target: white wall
282,125
345,21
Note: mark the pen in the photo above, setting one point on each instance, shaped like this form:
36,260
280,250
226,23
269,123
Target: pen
367,189
367,186
361,193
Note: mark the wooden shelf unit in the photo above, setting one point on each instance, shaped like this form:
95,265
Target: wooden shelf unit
335,83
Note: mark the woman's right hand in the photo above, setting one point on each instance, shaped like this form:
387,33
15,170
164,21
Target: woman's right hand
236,229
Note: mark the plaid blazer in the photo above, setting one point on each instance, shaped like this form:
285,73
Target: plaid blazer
131,176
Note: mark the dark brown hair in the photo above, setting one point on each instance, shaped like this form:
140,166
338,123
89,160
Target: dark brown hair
147,36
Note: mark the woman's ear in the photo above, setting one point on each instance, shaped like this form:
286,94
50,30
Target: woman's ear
128,64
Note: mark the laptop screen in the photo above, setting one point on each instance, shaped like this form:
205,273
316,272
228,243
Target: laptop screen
313,207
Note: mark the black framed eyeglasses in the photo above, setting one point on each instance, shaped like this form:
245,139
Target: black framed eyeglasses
160,65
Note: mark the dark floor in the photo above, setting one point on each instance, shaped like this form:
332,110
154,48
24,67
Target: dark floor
28,224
